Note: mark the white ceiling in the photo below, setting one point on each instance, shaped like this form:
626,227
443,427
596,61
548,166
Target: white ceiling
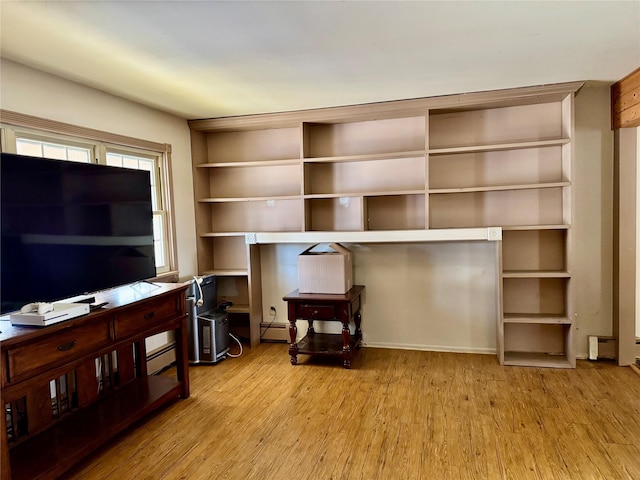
202,59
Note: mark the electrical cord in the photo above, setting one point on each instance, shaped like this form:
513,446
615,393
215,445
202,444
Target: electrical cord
198,281
235,355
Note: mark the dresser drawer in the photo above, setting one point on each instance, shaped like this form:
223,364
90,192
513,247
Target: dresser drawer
141,318
309,311
56,349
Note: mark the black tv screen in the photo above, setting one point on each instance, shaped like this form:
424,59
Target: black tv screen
71,228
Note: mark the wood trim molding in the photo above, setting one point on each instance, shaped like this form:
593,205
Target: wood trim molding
391,109
625,101
28,121
172,244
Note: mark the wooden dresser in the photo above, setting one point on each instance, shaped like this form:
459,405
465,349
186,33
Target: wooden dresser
69,387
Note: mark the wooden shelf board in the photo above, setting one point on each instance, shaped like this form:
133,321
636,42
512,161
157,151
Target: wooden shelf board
535,274
238,308
366,157
248,199
535,359
325,344
537,227
222,234
364,195
50,453
394,193
497,188
499,146
258,163
228,272
244,233
536,319
320,196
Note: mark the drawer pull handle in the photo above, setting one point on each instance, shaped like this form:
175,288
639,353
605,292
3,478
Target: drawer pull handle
149,316
315,312
65,347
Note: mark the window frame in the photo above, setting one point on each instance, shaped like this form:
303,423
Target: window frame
160,187
16,125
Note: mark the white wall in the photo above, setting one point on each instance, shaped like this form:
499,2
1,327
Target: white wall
418,296
32,92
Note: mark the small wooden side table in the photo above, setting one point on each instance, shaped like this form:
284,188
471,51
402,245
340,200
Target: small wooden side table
325,307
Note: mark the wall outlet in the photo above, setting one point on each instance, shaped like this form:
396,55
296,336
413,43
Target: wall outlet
272,311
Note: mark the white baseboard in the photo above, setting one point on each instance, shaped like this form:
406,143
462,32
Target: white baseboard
430,348
276,332
161,358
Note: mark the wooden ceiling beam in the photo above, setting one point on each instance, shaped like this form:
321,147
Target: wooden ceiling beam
625,101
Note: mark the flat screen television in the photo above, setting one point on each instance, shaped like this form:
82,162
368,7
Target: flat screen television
71,228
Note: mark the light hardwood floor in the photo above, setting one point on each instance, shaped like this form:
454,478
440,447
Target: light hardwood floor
395,415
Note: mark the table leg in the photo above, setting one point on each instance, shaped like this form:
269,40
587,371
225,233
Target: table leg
140,348
182,359
358,321
293,334
346,348
5,468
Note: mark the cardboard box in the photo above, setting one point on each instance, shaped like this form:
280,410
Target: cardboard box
325,271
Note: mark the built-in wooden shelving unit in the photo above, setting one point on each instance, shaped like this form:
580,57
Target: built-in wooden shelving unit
471,161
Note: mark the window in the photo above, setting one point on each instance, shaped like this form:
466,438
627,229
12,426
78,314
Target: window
150,164
39,148
28,142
